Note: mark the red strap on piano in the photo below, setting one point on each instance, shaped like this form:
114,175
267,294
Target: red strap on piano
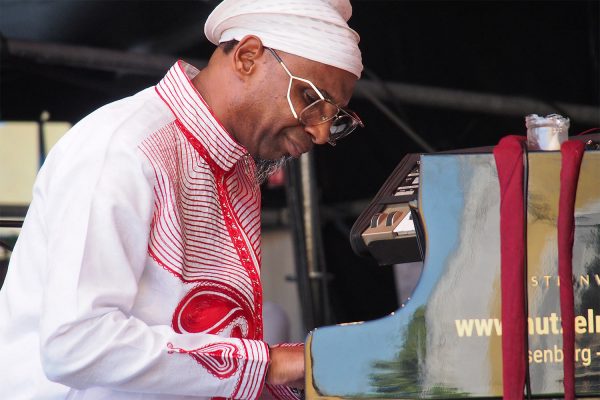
572,153
509,163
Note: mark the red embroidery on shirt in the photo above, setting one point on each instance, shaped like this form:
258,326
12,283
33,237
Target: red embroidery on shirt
234,227
200,176
214,308
190,236
219,359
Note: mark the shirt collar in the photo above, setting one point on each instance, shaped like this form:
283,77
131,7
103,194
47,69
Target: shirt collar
188,106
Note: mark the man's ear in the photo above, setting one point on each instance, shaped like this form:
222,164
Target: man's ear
246,54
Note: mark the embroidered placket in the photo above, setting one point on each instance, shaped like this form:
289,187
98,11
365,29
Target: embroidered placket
245,252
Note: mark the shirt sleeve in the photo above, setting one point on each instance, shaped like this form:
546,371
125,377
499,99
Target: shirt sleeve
96,202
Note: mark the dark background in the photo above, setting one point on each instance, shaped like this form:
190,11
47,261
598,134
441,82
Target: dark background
542,50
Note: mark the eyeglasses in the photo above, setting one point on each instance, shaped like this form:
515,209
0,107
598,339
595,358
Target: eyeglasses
321,109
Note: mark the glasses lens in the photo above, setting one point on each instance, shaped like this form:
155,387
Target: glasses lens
318,112
341,127
344,121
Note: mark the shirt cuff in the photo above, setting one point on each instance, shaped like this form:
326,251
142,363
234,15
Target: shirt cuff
285,392
254,371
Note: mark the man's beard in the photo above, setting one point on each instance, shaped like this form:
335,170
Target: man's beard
266,168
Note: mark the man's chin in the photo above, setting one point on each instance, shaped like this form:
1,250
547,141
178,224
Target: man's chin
265,168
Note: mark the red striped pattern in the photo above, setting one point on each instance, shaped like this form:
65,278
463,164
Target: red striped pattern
253,371
285,392
191,110
205,230
206,221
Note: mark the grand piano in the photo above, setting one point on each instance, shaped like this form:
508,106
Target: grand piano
446,340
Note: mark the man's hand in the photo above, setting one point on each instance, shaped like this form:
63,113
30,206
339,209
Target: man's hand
287,366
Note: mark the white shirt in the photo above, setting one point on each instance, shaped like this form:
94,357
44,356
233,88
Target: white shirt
136,274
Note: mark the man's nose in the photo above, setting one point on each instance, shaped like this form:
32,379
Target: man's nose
319,134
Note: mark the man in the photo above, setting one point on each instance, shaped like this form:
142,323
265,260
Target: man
136,274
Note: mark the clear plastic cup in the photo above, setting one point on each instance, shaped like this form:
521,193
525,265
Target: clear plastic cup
546,133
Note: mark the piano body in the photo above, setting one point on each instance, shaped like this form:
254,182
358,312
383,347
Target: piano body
445,342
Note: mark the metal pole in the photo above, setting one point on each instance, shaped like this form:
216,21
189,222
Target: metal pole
314,245
94,58
463,100
44,117
399,122
294,201
153,64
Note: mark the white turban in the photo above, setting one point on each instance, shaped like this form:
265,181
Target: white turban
312,29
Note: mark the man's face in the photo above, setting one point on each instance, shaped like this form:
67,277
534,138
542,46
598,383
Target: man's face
270,131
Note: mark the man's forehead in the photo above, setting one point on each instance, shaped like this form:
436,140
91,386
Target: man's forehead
334,84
